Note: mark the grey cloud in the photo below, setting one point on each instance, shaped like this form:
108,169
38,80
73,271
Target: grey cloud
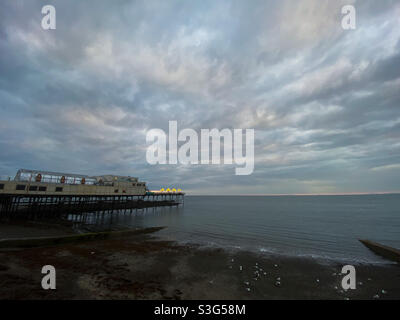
324,102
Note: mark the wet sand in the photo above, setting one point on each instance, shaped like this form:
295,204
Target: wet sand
30,229
144,267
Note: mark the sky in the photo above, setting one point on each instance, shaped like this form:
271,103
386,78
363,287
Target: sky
324,102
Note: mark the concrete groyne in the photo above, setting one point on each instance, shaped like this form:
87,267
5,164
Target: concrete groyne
382,250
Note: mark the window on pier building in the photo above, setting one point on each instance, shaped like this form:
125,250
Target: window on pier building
33,188
20,187
116,191
1,186
59,189
42,188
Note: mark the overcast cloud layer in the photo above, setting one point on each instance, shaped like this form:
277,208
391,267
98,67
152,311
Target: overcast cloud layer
324,102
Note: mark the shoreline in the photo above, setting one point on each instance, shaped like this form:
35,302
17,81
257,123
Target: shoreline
324,260
18,230
143,266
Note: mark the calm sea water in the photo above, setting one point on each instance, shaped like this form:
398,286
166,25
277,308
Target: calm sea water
324,227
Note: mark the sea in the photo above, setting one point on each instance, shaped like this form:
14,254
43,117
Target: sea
324,227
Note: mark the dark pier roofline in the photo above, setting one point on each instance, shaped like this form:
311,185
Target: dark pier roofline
55,177
21,172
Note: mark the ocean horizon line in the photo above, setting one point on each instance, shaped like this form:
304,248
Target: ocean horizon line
294,194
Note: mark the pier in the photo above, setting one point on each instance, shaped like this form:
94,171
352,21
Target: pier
34,194
36,206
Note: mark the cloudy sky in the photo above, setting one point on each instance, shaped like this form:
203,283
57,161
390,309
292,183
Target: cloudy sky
324,102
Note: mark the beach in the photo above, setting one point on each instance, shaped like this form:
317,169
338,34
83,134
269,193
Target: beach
143,266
